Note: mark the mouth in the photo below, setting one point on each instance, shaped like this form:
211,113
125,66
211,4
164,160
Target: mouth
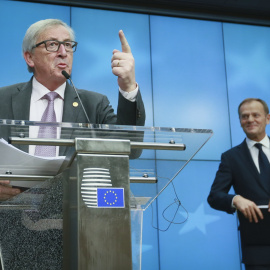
251,127
62,65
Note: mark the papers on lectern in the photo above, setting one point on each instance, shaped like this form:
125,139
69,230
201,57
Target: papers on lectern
16,162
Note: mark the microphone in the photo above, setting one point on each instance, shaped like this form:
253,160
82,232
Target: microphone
67,76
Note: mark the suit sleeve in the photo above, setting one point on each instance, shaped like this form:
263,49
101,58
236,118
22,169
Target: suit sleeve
130,113
219,198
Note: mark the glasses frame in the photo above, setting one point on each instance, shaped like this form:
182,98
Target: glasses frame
60,42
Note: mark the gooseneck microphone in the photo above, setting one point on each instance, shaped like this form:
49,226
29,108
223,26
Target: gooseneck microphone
67,76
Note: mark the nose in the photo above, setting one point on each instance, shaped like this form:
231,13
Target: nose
250,118
62,50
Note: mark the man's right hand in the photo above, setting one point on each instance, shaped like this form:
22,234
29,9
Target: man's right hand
123,65
248,208
6,190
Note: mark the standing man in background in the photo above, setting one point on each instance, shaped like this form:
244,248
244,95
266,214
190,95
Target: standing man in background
48,48
246,168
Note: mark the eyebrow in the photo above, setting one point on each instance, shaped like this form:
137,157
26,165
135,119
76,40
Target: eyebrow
52,38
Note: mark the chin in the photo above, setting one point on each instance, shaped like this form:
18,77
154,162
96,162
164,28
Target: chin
252,134
59,75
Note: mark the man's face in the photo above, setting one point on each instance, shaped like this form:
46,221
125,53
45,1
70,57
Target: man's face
253,120
49,65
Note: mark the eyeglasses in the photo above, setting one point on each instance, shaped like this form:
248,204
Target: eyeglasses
54,45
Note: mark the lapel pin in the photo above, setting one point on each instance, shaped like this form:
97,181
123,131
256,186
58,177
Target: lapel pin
75,104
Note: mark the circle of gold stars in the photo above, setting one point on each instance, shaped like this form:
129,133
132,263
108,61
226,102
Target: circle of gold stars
115,197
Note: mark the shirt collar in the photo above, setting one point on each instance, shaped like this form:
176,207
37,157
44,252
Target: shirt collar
265,142
39,90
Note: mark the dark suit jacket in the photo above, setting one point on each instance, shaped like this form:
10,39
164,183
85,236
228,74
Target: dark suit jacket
237,169
15,104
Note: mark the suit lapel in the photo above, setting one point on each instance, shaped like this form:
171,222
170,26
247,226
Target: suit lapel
251,167
21,106
71,105
21,102
247,158
70,113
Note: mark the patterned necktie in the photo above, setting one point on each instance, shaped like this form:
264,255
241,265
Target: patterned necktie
264,167
47,131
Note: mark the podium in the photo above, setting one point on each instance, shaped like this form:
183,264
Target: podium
89,215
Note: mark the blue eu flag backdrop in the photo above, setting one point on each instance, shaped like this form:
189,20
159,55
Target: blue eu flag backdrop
110,197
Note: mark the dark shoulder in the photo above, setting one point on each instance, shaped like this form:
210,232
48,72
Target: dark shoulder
10,89
89,92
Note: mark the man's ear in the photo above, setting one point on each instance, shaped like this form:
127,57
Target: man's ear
267,118
28,57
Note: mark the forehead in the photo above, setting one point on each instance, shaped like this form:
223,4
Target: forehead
58,32
251,107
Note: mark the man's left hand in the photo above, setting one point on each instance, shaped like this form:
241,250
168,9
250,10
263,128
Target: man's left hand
123,65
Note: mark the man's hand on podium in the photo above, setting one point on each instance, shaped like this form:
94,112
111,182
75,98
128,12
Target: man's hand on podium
7,191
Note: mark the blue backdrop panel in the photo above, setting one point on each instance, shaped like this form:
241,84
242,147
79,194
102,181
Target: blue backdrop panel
189,79
97,34
15,18
208,239
248,67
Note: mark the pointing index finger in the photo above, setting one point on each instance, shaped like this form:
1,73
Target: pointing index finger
124,43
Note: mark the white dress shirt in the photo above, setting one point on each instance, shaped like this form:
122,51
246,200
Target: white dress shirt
254,151
131,96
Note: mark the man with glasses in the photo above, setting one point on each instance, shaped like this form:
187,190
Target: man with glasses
48,49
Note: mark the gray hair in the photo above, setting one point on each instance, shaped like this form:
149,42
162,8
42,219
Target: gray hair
249,100
33,32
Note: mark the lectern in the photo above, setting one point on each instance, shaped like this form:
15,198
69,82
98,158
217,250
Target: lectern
88,214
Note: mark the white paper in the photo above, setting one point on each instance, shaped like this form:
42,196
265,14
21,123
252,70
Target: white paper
263,206
17,162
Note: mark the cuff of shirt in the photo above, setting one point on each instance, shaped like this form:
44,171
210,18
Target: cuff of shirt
233,206
131,96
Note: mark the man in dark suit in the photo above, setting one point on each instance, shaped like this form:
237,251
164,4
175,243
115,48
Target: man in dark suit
48,48
241,169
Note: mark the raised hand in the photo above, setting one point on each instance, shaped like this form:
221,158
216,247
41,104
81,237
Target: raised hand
123,65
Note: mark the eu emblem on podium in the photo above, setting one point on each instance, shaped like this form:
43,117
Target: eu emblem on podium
110,197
